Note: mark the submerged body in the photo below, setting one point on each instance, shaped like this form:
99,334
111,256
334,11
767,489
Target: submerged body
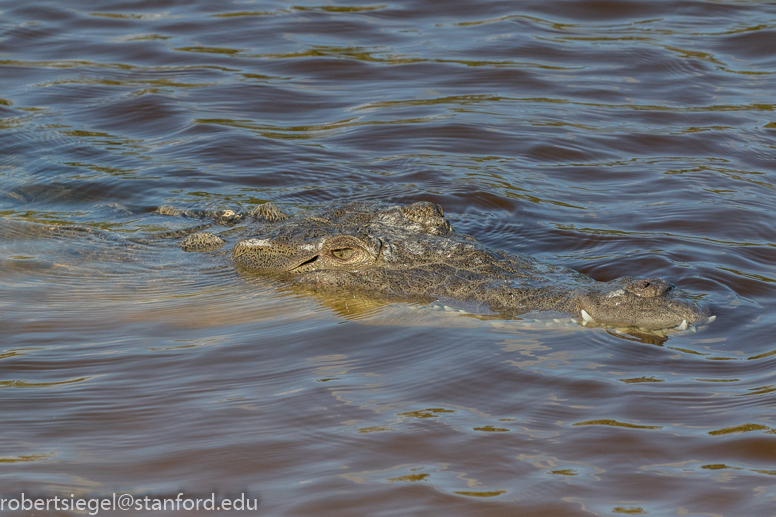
412,251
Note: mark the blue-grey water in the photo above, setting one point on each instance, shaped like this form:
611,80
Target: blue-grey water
616,137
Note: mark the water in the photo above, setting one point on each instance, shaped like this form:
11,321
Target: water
615,137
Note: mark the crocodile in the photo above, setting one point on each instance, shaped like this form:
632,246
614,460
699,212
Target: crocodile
411,251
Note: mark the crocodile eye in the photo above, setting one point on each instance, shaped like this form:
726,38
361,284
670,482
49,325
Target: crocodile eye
343,253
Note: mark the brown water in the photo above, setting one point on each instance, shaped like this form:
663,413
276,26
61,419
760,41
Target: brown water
614,137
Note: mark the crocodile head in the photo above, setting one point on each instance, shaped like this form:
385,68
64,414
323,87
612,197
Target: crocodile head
412,251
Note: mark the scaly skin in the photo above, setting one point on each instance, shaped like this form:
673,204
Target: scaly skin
412,251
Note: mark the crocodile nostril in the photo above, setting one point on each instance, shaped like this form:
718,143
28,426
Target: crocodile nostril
647,287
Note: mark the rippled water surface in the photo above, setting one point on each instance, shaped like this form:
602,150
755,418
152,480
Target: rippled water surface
614,137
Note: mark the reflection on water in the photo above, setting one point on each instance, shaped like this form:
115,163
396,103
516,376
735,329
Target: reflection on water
617,138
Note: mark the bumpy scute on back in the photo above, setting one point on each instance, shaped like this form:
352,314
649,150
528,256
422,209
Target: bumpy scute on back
268,212
202,241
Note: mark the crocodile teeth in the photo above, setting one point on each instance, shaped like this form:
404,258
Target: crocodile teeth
712,318
683,325
588,318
